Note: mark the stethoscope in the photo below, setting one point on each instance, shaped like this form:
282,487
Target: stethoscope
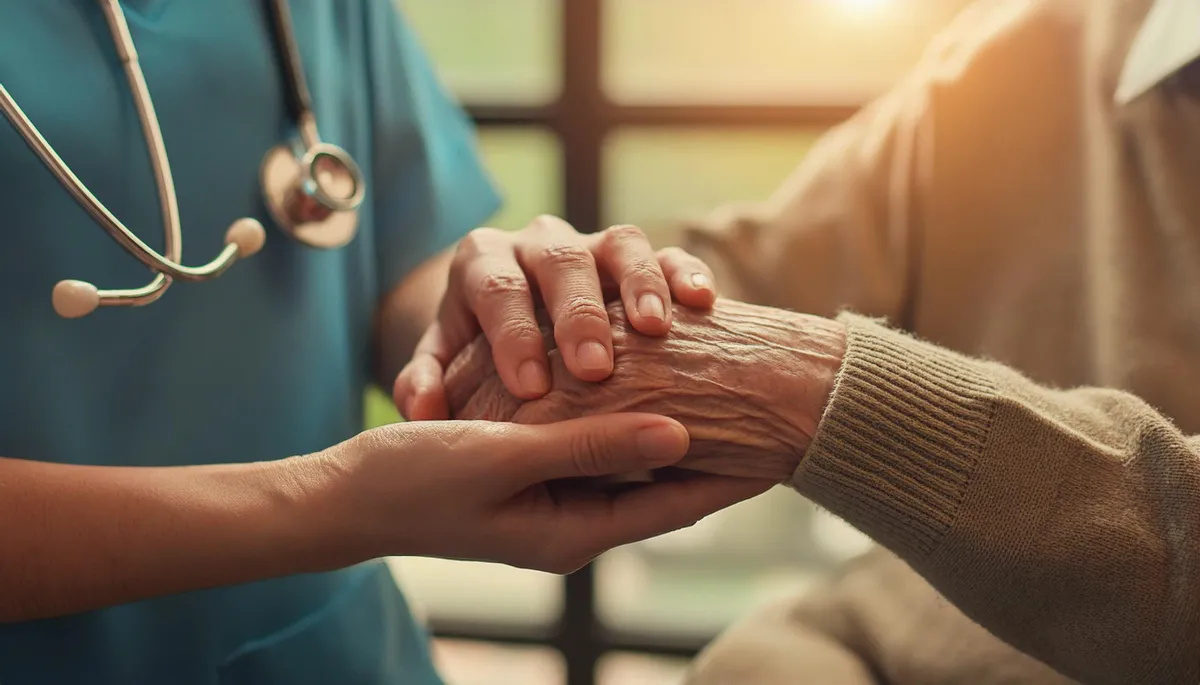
312,189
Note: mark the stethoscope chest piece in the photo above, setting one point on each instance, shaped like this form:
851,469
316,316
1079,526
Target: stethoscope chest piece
314,195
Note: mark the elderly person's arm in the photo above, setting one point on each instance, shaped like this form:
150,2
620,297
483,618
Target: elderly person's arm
882,217
1066,522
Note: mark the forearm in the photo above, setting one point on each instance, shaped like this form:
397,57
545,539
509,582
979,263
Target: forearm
404,314
1062,521
75,538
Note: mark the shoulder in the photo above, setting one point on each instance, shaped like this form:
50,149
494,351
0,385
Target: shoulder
995,60
1004,85
991,34
998,59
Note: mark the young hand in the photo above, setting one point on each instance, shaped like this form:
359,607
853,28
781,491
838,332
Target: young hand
520,495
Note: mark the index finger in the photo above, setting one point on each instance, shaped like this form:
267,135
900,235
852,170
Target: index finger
500,297
569,282
418,391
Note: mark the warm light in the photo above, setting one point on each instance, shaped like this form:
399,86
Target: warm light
862,6
869,11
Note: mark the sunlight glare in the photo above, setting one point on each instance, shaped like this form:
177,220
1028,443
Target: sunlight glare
862,6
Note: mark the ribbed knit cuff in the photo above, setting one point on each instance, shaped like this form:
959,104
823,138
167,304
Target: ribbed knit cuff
900,438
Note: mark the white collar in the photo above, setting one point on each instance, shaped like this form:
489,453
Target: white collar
1168,40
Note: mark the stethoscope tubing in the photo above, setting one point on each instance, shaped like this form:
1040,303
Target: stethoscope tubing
299,99
168,266
245,236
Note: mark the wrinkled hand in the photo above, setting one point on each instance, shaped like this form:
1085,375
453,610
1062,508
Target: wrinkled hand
750,384
496,280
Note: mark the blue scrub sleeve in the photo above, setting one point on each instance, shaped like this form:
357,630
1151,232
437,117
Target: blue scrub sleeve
430,185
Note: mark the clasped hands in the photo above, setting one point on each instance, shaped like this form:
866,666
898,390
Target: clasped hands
566,358
749,383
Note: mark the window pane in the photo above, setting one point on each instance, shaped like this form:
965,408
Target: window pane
764,50
527,165
697,581
492,51
640,669
477,663
475,591
653,178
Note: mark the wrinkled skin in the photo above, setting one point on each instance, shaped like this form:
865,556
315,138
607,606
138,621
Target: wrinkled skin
748,382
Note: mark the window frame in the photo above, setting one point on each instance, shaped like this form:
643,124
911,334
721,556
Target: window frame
582,117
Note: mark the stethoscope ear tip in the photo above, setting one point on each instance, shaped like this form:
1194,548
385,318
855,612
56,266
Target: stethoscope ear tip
249,236
75,299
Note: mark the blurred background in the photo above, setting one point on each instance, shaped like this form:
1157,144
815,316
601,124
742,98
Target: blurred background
644,112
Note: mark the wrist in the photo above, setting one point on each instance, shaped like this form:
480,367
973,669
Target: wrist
906,408
818,347
317,512
780,368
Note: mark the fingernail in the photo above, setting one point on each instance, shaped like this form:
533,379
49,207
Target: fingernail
593,356
651,307
662,444
701,282
533,377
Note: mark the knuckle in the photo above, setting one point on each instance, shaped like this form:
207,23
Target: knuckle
643,272
476,244
674,253
479,240
548,222
496,285
518,329
623,234
567,256
584,310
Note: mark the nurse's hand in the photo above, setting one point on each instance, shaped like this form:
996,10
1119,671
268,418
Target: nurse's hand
87,537
497,279
520,495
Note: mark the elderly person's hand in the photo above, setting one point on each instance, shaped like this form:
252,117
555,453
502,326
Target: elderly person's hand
750,384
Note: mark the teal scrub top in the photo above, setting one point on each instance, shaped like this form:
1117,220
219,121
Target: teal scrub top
269,360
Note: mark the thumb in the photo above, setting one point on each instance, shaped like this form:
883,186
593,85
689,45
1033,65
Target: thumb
419,391
594,446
